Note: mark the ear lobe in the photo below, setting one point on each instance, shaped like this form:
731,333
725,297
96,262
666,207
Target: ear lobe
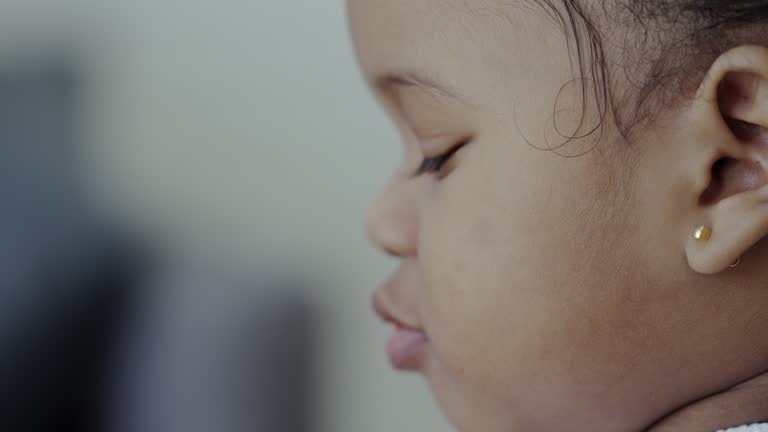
732,118
738,223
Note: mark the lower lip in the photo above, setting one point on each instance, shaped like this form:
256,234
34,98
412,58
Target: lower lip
406,348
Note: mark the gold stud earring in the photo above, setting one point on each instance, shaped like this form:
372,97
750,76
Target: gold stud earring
702,233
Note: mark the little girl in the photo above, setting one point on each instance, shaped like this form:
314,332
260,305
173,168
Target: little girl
581,209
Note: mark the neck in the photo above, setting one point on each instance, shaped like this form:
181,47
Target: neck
743,404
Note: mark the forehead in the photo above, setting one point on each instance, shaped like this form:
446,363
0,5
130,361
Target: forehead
449,39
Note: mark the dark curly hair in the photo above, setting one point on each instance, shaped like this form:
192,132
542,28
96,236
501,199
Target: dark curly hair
663,48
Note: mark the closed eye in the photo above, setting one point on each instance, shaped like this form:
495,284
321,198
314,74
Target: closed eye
435,164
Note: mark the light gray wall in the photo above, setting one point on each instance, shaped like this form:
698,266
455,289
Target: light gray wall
240,129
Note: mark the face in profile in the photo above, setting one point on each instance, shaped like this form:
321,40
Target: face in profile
547,279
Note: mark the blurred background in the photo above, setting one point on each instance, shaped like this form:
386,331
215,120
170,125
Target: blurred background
182,246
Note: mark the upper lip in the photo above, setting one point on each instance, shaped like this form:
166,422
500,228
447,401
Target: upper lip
388,315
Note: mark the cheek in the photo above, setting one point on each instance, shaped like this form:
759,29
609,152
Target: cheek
496,246
512,283
480,258
489,294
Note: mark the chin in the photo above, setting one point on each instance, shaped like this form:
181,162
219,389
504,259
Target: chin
466,413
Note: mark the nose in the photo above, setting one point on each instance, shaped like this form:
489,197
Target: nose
393,219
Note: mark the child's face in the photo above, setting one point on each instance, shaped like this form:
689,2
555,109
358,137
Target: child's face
550,297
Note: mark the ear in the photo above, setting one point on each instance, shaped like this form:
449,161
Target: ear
730,129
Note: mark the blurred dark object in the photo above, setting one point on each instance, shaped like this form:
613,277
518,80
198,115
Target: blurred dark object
63,272
90,340
208,353
58,346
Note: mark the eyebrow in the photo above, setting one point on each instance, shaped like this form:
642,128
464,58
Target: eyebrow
413,79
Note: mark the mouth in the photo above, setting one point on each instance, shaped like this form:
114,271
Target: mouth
408,344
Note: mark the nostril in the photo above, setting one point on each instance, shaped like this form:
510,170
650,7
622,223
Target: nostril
392,219
393,233
382,237
390,251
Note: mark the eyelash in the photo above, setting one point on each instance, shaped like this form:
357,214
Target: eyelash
434,164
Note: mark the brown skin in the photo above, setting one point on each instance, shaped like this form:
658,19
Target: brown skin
565,293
